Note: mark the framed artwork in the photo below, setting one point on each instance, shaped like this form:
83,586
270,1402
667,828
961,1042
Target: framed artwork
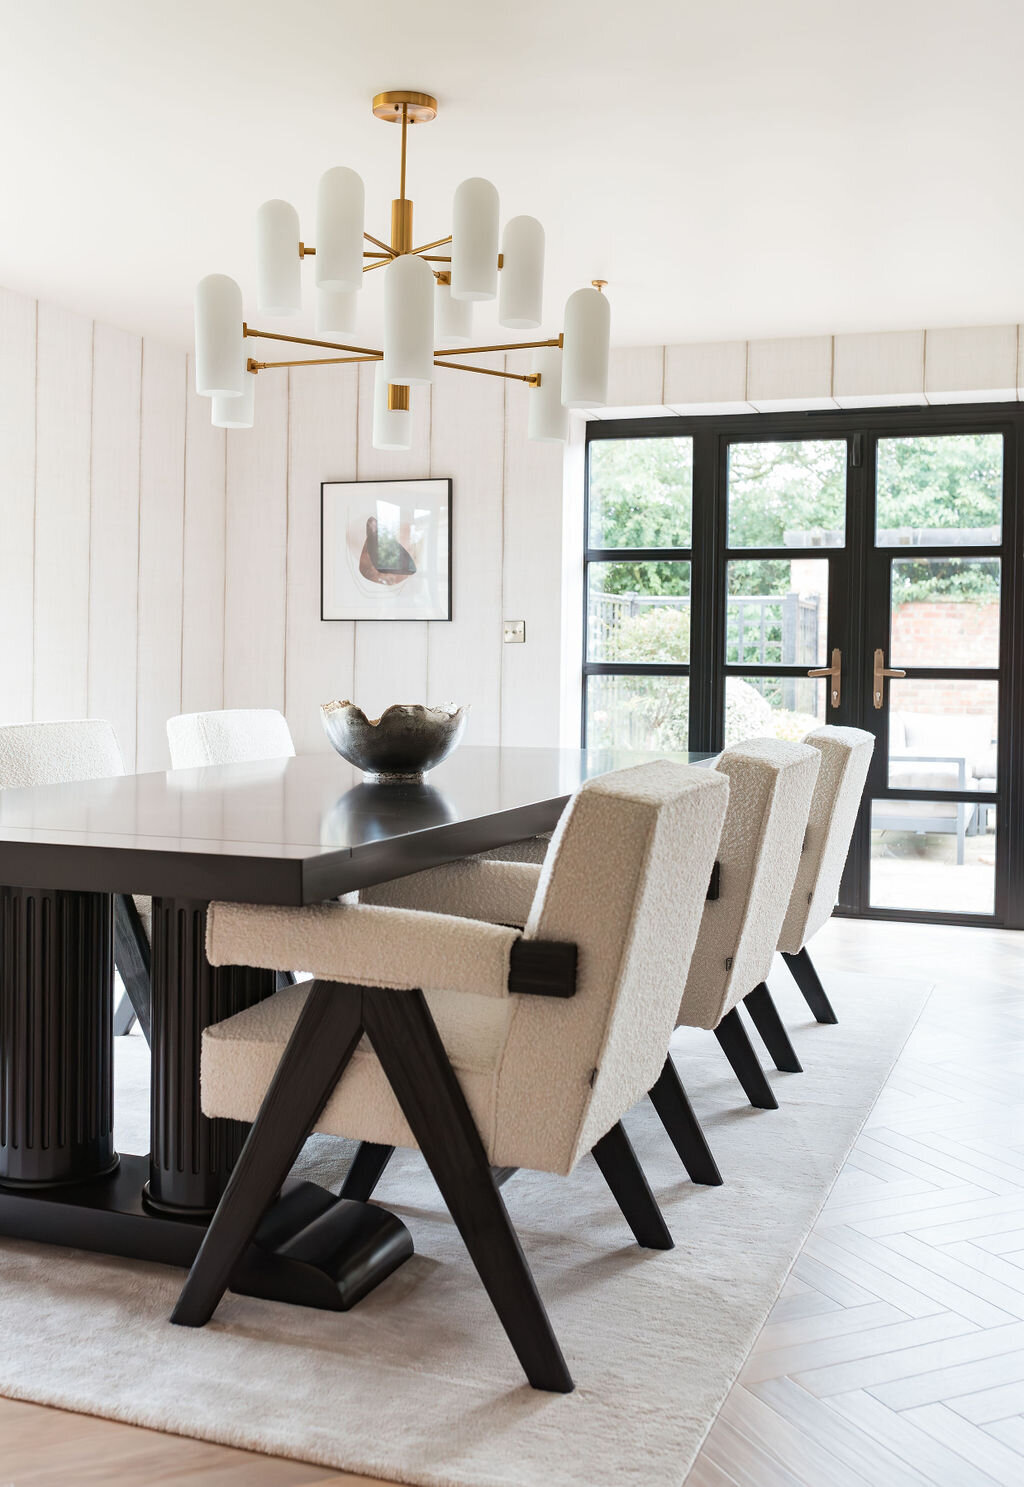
386,550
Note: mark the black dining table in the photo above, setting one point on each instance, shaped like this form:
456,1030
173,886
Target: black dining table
289,831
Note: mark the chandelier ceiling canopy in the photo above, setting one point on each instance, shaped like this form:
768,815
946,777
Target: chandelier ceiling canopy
428,300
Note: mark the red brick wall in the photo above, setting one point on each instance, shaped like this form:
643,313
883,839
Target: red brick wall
945,633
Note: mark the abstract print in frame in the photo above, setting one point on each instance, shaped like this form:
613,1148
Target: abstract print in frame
386,550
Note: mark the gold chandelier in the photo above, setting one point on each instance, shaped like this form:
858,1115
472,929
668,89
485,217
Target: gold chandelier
428,300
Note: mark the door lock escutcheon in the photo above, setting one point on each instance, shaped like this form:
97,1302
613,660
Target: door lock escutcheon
835,672
881,671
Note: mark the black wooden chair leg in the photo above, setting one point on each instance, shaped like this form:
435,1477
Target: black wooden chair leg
739,1050
132,958
765,1016
366,1171
670,1100
408,1045
806,977
625,1176
324,1039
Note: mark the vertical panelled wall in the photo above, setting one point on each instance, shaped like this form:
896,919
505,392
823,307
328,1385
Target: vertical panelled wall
150,564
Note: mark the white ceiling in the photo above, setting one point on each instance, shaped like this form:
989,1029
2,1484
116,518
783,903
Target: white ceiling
734,168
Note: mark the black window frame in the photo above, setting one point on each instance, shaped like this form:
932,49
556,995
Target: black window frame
708,554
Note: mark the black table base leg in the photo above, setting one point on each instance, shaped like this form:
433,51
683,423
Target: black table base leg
191,1156
56,1032
366,1170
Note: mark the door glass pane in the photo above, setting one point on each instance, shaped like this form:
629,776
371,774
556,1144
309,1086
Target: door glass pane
945,612
777,612
942,735
940,491
640,492
933,855
638,712
638,612
772,707
787,495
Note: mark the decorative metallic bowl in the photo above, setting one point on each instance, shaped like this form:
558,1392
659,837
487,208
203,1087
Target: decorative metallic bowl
399,746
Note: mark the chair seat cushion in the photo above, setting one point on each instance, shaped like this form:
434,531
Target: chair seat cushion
241,1054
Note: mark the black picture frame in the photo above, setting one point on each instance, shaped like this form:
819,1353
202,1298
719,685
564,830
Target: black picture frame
367,608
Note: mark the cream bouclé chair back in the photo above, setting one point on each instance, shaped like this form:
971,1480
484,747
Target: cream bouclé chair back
845,759
615,884
771,783
234,736
58,753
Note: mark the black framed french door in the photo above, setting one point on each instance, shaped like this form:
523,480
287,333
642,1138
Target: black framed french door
821,551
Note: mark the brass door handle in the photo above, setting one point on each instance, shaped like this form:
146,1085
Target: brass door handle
835,671
881,671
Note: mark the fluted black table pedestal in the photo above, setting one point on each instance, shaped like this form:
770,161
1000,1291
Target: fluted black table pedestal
191,1157
56,1029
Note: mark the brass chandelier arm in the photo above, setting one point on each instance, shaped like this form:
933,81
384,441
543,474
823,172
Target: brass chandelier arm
323,361
273,335
378,244
507,346
533,378
425,248
307,252
377,263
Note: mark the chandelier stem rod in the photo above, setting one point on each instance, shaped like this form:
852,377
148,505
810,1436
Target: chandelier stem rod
533,378
508,346
405,131
273,335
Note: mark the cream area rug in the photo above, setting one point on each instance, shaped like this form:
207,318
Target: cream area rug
418,1384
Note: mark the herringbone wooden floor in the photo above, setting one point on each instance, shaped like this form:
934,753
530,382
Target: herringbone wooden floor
895,1355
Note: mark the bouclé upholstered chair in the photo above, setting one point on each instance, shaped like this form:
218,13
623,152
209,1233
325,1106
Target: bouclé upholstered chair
771,784
61,753
472,1051
241,735
845,759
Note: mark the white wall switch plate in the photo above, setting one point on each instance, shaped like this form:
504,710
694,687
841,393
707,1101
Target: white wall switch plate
515,632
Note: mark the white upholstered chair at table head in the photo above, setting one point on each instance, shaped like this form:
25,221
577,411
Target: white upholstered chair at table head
845,760
61,753
241,735
540,1076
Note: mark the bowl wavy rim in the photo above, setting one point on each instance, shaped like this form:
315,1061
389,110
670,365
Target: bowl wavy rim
448,712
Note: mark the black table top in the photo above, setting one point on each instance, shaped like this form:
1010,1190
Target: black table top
286,831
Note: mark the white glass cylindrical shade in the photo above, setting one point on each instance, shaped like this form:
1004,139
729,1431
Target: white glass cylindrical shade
475,240
409,320
236,413
453,320
521,282
392,427
336,311
585,341
339,229
548,419
278,265
220,350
